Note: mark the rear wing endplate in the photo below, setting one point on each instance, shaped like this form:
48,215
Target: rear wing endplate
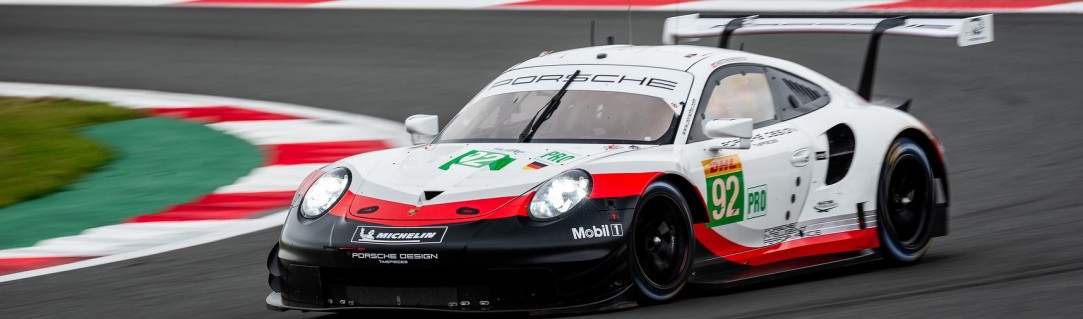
965,31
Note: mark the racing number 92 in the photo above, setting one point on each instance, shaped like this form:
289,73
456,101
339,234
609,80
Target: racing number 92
725,182
477,159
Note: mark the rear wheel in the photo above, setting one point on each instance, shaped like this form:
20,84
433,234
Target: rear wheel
906,197
660,242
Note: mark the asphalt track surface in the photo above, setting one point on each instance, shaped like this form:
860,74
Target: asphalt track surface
1008,113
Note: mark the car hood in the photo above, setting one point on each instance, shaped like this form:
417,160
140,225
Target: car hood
487,175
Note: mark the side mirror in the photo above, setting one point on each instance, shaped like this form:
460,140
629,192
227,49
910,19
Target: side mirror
730,128
422,128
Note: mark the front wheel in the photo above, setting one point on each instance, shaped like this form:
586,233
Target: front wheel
905,201
660,242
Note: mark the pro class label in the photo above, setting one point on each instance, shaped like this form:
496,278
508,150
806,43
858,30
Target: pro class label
557,157
398,235
551,158
757,201
725,185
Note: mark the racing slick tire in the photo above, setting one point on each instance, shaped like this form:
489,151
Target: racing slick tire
905,201
661,243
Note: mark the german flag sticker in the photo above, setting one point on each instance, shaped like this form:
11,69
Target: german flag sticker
535,165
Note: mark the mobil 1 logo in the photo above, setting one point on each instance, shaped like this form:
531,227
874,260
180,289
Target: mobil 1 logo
611,230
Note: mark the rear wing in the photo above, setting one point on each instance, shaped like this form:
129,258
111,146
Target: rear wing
965,31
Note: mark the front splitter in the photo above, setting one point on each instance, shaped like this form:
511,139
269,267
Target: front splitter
622,300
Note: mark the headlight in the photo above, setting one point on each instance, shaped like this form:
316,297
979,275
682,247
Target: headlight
560,194
325,192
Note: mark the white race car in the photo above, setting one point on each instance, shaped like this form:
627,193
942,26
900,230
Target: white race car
600,177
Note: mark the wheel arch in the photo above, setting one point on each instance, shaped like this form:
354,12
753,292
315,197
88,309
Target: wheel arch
932,150
694,199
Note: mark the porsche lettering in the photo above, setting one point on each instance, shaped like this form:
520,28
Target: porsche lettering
596,78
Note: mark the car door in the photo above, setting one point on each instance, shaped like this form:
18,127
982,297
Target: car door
753,196
795,97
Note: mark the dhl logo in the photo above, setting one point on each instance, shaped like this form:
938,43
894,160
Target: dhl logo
721,165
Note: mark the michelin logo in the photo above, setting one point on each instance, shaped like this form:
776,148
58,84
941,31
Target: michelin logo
398,235
611,230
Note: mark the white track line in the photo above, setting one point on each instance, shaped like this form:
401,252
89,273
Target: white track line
252,225
270,179
285,131
1071,7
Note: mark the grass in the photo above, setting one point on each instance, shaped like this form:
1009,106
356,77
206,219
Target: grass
41,149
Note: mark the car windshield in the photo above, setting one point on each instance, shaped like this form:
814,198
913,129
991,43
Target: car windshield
584,116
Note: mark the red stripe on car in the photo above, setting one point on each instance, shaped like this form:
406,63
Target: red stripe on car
621,184
390,213
715,243
812,246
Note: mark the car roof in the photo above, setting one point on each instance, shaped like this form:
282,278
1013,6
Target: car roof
676,57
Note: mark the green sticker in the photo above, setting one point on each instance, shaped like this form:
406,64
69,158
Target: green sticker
556,157
725,184
477,159
757,201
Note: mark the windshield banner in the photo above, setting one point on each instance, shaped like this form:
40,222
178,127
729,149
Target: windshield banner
670,85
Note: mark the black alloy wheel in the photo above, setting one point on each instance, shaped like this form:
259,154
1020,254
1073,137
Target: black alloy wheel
661,243
906,198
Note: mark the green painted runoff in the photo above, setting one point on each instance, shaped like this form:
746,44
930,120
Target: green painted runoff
157,162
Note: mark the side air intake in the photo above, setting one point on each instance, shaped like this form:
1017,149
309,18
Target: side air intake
840,149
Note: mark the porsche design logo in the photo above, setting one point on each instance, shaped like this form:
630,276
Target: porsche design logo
412,212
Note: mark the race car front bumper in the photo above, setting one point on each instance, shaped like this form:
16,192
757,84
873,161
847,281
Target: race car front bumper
576,263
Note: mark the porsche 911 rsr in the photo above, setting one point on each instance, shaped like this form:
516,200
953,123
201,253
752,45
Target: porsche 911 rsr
603,177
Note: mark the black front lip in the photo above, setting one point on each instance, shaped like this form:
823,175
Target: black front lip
514,241
621,300
584,271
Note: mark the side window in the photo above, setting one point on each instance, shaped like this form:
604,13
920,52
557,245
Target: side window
797,96
735,92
